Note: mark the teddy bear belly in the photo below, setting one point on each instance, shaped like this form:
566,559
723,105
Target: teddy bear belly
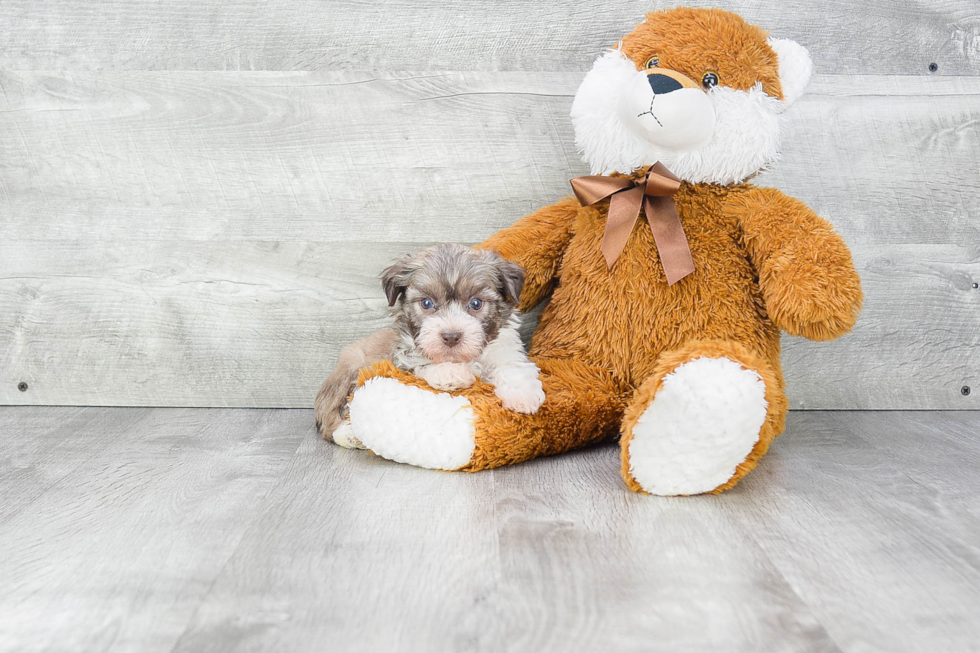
625,318
630,349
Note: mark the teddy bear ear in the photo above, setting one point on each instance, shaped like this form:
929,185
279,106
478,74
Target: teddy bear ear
795,68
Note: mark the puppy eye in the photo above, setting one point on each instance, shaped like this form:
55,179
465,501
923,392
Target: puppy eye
653,62
476,304
709,80
427,304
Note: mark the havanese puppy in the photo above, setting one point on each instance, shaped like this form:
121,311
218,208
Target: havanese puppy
455,319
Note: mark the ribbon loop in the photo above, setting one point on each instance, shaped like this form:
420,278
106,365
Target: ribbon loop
660,182
590,190
655,195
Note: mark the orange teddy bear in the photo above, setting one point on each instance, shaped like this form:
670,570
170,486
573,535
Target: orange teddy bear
670,276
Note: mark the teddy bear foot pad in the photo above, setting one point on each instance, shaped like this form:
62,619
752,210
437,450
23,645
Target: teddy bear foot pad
702,423
418,427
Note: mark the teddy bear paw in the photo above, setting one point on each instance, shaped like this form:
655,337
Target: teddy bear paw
816,296
413,425
703,422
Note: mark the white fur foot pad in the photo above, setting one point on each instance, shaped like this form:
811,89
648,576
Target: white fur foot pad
702,423
411,425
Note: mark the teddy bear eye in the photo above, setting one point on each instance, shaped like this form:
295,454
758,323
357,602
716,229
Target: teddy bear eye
653,62
709,80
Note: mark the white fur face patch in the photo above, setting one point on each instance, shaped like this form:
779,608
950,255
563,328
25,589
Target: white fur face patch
451,336
744,138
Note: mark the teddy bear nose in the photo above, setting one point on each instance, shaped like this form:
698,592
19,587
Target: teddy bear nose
451,338
663,84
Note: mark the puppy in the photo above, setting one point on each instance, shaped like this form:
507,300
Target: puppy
455,318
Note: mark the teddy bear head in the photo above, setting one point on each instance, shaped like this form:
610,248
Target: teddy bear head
700,90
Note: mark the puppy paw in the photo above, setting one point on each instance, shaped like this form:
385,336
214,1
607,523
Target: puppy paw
524,396
447,376
344,436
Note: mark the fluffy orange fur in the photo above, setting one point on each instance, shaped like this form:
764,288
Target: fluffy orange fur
764,262
714,41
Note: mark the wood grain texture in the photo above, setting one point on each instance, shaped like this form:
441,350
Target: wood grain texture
45,446
660,576
869,517
196,529
117,553
853,37
281,156
358,554
160,323
428,157
416,560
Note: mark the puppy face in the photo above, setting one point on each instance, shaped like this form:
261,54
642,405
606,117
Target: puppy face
452,300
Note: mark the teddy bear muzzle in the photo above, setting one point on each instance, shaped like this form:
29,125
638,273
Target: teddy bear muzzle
668,109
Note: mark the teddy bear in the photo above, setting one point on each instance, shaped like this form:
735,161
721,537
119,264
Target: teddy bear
670,275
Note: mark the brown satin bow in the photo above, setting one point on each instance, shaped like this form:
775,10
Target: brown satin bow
654,194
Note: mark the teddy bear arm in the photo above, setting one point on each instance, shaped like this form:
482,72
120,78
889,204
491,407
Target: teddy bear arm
806,274
537,242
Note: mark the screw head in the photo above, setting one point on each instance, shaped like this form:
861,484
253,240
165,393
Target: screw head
933,67
965,390
22,386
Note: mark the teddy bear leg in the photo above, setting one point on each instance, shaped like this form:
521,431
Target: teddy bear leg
702,420
398,417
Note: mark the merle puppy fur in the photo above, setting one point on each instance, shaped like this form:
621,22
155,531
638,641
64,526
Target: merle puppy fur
455,318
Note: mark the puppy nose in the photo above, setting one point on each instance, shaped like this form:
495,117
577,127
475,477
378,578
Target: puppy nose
451,338
663,84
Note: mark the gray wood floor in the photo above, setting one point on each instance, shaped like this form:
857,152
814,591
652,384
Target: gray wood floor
222,529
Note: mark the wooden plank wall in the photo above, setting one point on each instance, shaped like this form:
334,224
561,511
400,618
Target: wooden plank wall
196,196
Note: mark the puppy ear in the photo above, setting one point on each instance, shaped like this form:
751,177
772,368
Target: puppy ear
396,277
795,68
511,279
